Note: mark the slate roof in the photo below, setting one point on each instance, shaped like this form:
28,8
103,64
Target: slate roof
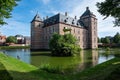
63,19
37,18
18,35
87,12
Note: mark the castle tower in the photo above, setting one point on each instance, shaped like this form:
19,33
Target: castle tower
90,22
36,33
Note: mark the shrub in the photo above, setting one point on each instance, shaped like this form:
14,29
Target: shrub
63,45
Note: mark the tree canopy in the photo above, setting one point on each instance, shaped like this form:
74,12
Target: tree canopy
116,38
11,39
109,39
6,6
105,40
110,8
63,45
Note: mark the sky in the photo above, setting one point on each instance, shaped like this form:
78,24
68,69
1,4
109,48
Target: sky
23,14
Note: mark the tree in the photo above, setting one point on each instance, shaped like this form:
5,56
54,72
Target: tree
63,45
99,40
105,40
6,6
11,39
110,8
116,38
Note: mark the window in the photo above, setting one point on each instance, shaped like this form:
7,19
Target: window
78,31
50,29
74,30
53,29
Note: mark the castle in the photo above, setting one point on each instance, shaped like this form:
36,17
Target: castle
84,29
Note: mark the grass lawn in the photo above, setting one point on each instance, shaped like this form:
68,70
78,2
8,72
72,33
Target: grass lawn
109,70
14,47
18,70
4,75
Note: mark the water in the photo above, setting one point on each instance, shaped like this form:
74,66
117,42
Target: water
84,60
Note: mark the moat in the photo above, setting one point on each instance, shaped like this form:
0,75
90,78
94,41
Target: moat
85,59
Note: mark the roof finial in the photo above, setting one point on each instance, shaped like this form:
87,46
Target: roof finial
66,13
87,8
37,12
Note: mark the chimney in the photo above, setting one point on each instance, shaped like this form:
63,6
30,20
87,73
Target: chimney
66,14
87,8
46,17
75,17
43,18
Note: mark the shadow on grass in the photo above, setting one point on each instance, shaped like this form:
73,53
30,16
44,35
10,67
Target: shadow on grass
33,75
43,75
4,75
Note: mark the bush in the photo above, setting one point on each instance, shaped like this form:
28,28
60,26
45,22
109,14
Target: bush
63,45
11,39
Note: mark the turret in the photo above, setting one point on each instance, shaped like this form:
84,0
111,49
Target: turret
90,22
36,32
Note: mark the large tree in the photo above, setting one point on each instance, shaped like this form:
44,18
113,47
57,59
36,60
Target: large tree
105,40
63,45
6,6
11,39
110,8
116,38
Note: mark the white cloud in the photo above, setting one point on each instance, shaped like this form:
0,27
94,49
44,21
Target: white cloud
16,27
45,1
104,26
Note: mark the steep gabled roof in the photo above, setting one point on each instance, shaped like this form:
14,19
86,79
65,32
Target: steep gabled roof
87,12
37,18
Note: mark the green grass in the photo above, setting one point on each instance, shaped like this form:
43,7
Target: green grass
14,47
22,71
101,72
19,70
4,75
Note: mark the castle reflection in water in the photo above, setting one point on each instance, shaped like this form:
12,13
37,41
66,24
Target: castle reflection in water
86,58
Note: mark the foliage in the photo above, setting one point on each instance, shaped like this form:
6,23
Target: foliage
110,8
11,39
99,40
107,48
63,45
116,38
109,70
50,69
14,47
6,6
105,40
65,30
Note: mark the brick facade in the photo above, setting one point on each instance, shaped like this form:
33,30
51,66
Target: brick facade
84,29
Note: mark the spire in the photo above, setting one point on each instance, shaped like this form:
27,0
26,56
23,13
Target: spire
37,18
87,12
87,8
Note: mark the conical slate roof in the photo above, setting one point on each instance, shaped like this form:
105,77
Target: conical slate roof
37,18
87,12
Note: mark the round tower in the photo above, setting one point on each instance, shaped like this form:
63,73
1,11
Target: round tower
90,22
36,33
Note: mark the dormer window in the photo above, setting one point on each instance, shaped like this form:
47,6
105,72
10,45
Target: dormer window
77,23
73,22
66,20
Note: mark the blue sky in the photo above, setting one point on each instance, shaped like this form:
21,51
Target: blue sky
27,9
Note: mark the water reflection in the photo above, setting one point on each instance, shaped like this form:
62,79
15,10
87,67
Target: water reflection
86,58
21,54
